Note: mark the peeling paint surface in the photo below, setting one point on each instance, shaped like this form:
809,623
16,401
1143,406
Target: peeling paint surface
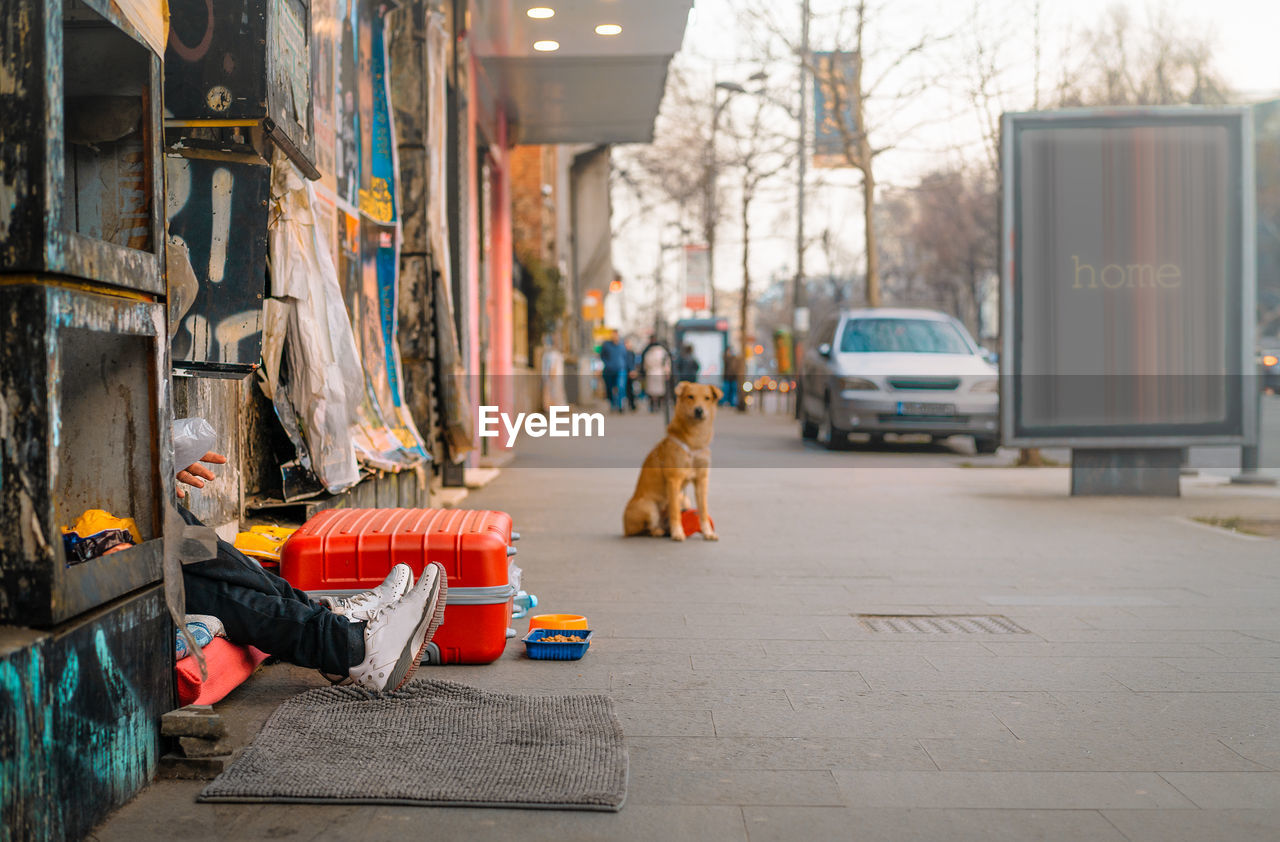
217,205
79,716
80,178
80,383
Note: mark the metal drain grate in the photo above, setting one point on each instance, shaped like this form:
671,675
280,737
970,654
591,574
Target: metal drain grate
938,624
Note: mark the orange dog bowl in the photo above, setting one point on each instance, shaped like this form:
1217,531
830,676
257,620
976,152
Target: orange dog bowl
689,520
557,621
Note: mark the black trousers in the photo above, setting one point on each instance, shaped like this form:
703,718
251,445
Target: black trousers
262,610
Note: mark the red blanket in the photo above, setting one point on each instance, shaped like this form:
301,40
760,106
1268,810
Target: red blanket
229,665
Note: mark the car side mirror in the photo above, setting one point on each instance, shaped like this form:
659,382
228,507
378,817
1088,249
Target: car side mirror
824,349
991,357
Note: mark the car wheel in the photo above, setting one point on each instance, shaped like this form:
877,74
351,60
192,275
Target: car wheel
829,435
808,429
984,444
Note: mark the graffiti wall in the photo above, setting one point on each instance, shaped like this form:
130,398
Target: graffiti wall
217,208
79,716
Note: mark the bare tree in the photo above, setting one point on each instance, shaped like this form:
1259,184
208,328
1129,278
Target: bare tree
1156,61
674,171
759,154
956,236
878,86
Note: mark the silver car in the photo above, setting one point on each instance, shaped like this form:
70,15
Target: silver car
885,370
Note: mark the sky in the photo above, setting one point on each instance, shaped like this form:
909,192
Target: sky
937,127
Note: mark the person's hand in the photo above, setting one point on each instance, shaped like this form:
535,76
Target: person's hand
195,475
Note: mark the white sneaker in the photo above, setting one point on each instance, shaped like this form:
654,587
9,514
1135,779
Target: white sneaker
363,606
396,637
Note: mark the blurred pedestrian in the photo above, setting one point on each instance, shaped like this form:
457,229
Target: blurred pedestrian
614,357
633,373
687,365
552,375
734,370
655,361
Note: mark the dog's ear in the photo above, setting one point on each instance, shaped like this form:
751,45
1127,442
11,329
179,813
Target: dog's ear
717,393
682,387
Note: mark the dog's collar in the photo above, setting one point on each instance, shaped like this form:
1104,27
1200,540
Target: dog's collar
688,449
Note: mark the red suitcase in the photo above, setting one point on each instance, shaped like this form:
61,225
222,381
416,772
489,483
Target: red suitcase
350,550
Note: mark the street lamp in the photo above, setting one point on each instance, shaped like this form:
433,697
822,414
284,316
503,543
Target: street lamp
799,299
718,105
659,304
709,223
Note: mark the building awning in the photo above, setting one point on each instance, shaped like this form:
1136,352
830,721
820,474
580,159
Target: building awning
591,88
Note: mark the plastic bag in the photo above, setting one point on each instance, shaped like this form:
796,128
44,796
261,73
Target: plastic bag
326,382
192,438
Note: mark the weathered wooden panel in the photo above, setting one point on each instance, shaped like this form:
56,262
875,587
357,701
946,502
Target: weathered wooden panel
80,183
107,136
289,106
220,502
406,45
216,60
79,716
413,200
417,339
265,445
31,36
217,206
243,60
82,392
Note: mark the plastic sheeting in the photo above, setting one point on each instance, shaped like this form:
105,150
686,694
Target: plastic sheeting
325,381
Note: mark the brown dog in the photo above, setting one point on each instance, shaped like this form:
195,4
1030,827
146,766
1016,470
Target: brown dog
682,457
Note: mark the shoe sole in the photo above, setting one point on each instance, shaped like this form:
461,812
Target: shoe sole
431,619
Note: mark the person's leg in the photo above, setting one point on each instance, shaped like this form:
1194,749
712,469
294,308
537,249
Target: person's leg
615,396
265,612
607,377
380,651
261,609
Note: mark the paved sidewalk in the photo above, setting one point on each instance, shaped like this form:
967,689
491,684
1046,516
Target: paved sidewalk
1141,703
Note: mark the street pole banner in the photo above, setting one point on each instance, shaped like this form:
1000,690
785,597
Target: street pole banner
834,120
697,280
593,305
1128,278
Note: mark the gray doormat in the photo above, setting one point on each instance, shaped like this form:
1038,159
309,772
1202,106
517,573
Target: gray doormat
434,743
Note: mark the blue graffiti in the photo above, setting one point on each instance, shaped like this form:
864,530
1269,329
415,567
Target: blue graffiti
110,746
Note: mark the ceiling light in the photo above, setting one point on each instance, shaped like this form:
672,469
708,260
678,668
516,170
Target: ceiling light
546,46
541,13
608,29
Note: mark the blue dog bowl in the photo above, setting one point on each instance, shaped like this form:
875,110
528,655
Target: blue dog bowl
541,650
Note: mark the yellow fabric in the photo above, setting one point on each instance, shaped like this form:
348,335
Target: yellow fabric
94,521
263,542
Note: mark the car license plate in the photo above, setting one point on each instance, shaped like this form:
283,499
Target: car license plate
934,409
